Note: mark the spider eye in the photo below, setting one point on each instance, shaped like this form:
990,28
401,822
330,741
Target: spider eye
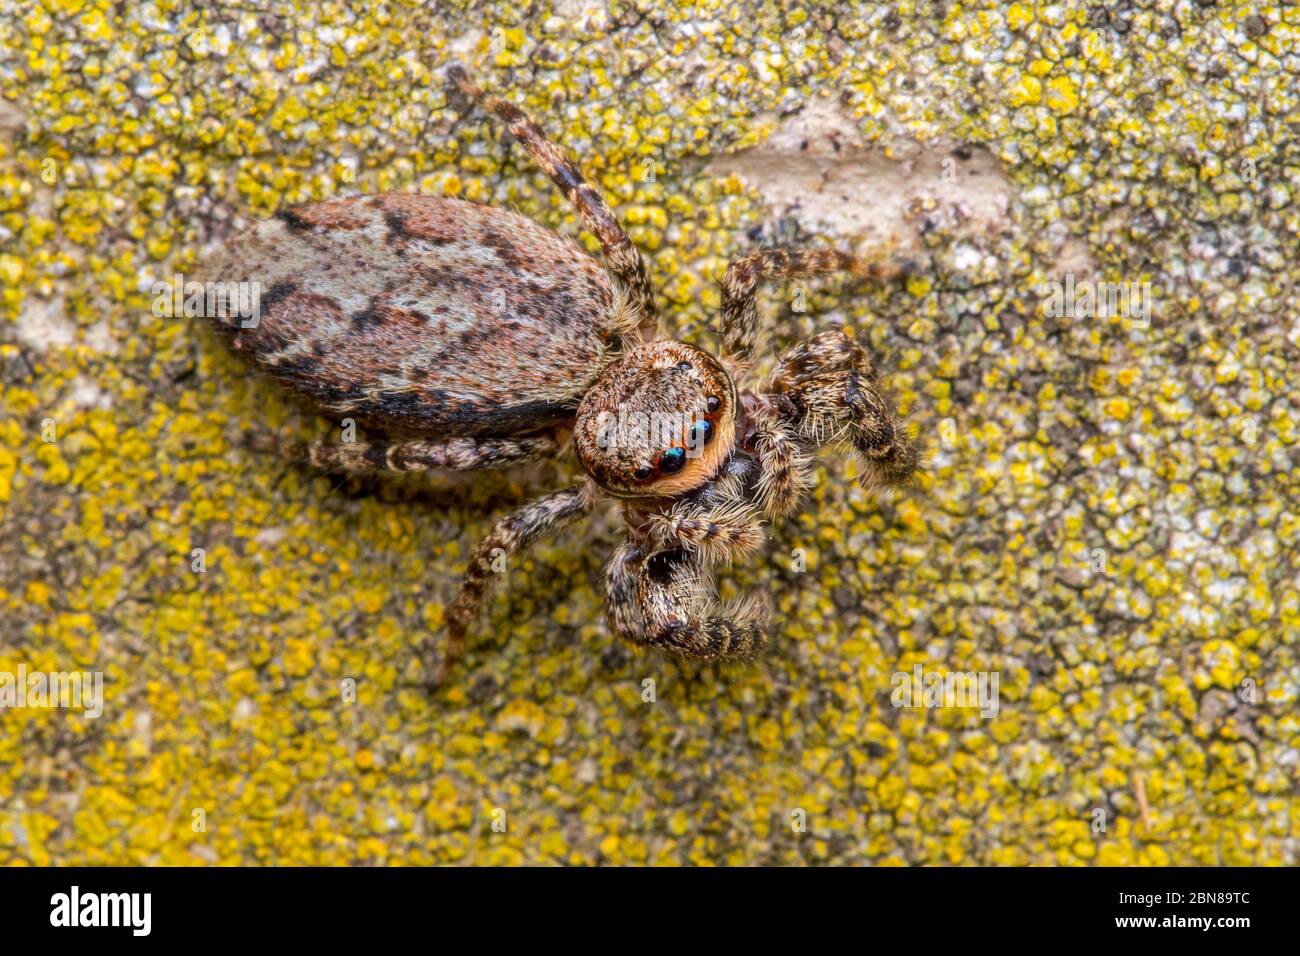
642,473
712,404
684,366
672,461
701,433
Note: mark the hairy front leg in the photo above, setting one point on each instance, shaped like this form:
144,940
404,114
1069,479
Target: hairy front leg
829,391
722,534
621,255
622,608
719,520
784,462
512,534
665,601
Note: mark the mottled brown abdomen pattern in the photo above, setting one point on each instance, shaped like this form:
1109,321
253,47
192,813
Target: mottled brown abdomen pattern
422,314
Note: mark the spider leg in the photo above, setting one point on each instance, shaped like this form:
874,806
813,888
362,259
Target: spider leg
740,286
785,468
679,616
827,391
622,610
721,534
625,262
513,533
452,454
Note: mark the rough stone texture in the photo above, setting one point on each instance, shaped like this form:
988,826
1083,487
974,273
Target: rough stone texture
1109,521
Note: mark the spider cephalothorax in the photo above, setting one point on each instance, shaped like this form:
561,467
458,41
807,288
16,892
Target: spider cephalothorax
658,422
474,338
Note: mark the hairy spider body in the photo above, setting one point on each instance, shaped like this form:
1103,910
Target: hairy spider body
473,338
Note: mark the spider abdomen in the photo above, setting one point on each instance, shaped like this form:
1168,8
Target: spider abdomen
422,314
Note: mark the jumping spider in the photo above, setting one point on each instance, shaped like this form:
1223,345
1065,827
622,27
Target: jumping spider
474,338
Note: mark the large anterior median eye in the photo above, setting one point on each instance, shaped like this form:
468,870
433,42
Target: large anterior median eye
701,433
672,461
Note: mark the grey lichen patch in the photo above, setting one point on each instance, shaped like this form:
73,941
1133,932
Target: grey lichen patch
886,198
43,324
12,121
